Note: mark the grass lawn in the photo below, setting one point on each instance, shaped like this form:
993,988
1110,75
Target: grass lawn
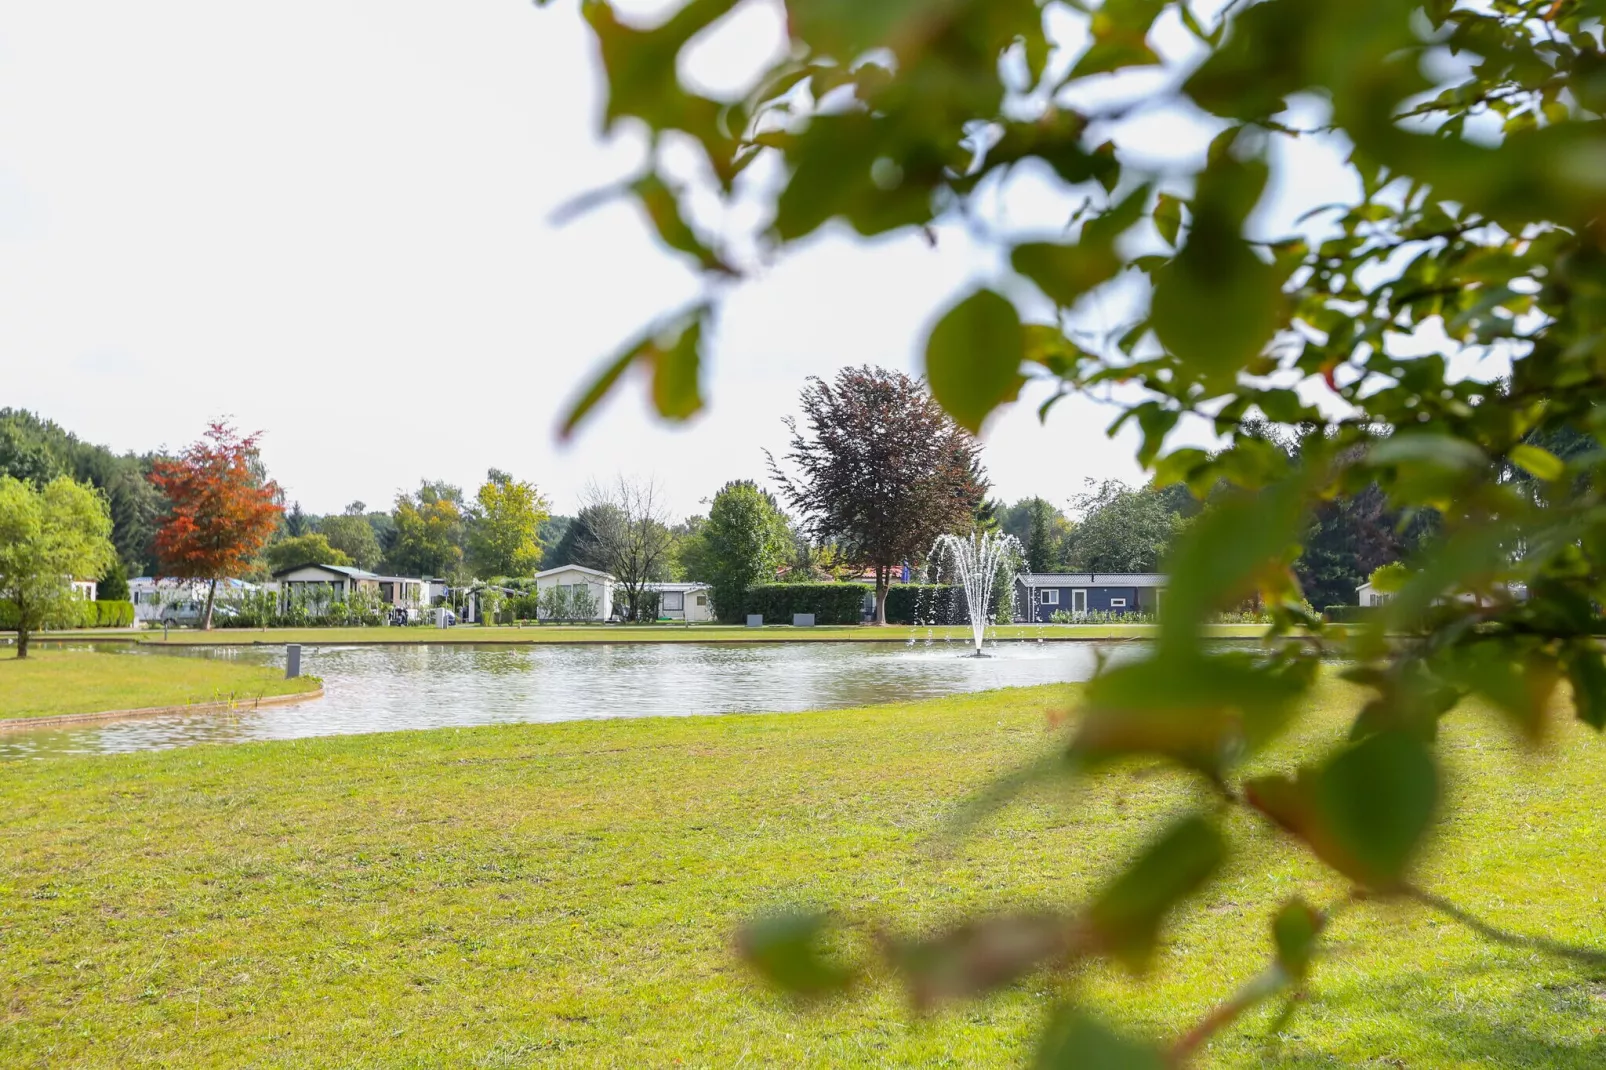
643,633
563,896
52,682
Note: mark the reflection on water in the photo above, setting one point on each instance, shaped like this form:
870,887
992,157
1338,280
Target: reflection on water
390,688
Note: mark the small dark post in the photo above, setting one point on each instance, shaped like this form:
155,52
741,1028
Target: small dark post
292,661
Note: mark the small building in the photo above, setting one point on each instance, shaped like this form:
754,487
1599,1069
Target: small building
179,601
689,602
84,589
323,585
407,596
573,579
1040,595
1366,595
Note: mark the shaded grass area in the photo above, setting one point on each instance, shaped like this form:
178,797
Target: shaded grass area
49,682
643,633
564,895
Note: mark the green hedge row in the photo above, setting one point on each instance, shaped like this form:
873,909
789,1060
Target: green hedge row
1348,614
925,603
85,615
831,603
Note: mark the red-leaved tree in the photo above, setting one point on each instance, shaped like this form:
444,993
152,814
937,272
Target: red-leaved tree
220,509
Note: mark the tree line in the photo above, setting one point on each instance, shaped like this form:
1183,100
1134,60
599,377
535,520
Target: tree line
872,473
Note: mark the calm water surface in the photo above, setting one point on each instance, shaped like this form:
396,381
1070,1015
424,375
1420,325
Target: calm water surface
386,689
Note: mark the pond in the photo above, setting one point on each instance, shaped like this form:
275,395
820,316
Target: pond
393,688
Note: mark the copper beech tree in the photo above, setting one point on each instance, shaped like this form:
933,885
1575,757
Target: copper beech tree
880,470
220,510
1433,332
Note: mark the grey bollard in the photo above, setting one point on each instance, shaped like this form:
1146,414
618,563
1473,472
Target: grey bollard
802,620
292,661
755,620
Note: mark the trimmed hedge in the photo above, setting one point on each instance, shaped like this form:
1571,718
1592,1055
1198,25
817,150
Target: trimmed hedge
1349,614
85,615
925,603
831,603
112,614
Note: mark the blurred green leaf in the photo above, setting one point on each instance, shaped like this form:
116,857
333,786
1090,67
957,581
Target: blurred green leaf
1124,919
1537,462
786,950
1065,272
1203,711
1217,304
1365,812
1244,543
663,209
677,374
974,357
1168,218
671,351
1295,930
1587,673
1074,1041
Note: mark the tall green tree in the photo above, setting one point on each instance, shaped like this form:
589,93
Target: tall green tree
313,548
429,532
880,470
505,525
1122,529
747,539
352,533
37,450
49,536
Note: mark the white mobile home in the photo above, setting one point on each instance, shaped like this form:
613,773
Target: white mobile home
689,602
178,601
573,579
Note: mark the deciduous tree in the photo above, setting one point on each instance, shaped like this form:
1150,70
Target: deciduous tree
1122,529
879,469
627,535
352,533
49,536
505,525
746,540
429,532
221,511
313,548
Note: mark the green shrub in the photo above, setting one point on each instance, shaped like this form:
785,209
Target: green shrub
1349,614
112,613
831,603
82,614
925,603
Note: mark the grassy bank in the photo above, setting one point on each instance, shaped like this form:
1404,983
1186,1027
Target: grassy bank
50,683
645,633
564,895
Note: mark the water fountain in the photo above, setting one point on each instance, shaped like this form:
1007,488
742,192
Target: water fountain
980,562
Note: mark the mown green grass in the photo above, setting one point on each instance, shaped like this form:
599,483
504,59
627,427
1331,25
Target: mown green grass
564,896
52,682
647,633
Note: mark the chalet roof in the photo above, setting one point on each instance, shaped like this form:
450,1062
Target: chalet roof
343,570
574,568
1092,579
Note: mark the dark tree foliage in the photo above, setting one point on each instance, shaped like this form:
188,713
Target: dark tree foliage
880,470
296,523
37,450
550,537
576,545
1472,133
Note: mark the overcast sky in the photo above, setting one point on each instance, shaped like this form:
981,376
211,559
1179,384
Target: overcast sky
330,220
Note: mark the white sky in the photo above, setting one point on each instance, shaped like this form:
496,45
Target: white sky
328,219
